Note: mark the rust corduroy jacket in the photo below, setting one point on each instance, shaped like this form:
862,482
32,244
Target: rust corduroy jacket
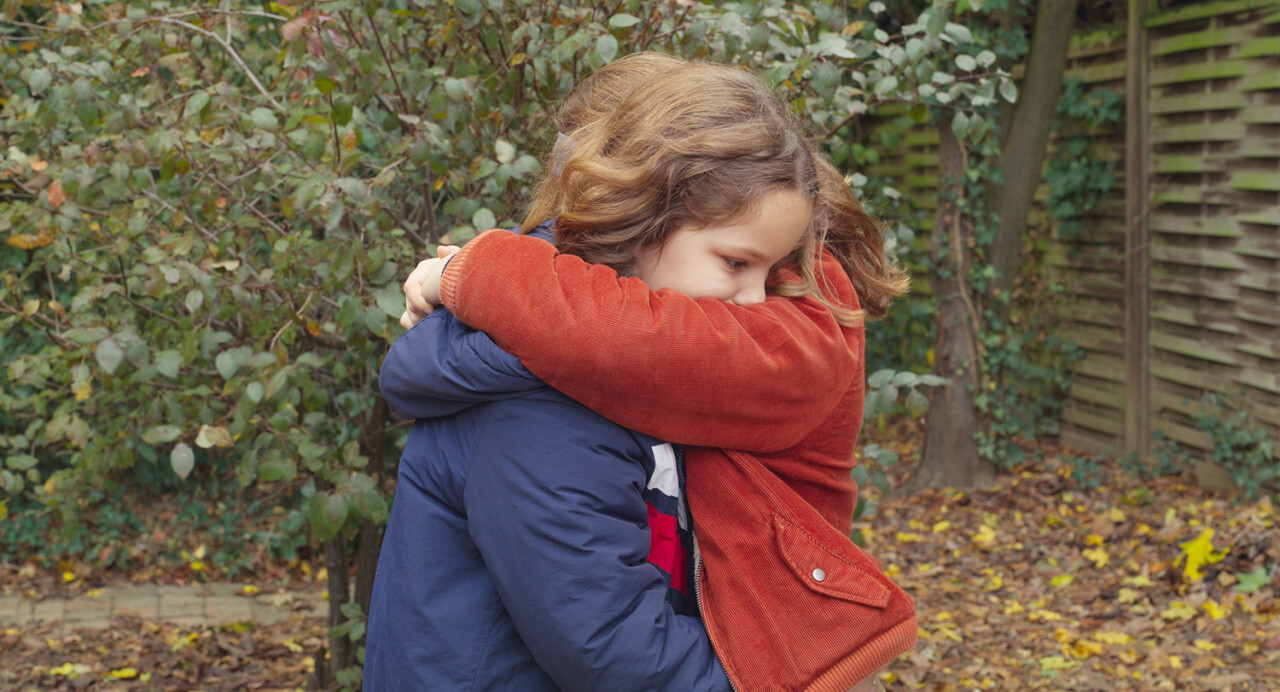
790,603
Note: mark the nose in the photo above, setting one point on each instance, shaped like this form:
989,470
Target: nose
749,294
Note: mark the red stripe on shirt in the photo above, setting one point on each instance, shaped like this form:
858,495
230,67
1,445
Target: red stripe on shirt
665,549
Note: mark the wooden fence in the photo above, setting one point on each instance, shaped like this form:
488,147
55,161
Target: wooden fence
1173,287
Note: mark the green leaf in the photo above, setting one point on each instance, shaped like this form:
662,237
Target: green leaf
906,378
276,467
966,62
109,355
1249,582
255,391
265,119
168,363
230,361
21,462
310,450
623,20
182,459
195,104
1009,90
960,125
959,32
87,335
455,88
504,151
161,434
606,48
341,111
880,378
324,85
483,220
886,85
194,299
327,513
39,80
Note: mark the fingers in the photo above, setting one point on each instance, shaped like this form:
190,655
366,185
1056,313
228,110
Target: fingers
446,250
413,300
411,317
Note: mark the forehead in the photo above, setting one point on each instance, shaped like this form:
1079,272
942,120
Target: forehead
770,231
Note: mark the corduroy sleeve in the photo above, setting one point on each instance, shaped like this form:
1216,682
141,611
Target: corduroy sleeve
692,371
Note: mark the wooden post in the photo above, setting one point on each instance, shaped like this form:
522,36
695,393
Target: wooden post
1137,419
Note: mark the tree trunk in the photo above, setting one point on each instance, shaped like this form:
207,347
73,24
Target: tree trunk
950,457
374,443
1023,150
337,567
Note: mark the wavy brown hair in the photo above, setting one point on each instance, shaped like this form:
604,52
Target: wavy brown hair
662,144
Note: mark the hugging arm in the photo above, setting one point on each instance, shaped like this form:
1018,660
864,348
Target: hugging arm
694,371
567,549
441,366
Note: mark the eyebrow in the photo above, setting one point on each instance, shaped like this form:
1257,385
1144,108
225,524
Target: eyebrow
746,251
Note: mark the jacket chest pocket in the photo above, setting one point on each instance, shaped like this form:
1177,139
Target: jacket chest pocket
845,572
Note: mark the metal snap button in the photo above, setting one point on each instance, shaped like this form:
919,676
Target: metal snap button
819,575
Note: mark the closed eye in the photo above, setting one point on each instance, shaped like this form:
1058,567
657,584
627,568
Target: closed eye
735,264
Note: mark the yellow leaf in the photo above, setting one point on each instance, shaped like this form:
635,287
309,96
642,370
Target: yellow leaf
4,511
985,537
250,589
941,526
123,673
27,241
197,566
1130,656
1013,608
1044,615
1062,580
1116,515
993,584
1178,610
1204,645
1214,610
293,646
1176,662
853,28
1085,649
82,390
1094,539
1139,581
1197,553
68,577
38,164
1063,635
1099,556
1112,637
909,537
309,664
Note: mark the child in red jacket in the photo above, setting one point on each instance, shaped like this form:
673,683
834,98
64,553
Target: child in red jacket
789,601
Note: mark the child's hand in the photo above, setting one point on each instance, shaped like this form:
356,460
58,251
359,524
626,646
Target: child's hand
422,288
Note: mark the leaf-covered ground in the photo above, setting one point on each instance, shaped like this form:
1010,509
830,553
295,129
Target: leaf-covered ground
1040,583
1044,583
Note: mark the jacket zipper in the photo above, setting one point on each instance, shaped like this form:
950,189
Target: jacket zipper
697,597
697,556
